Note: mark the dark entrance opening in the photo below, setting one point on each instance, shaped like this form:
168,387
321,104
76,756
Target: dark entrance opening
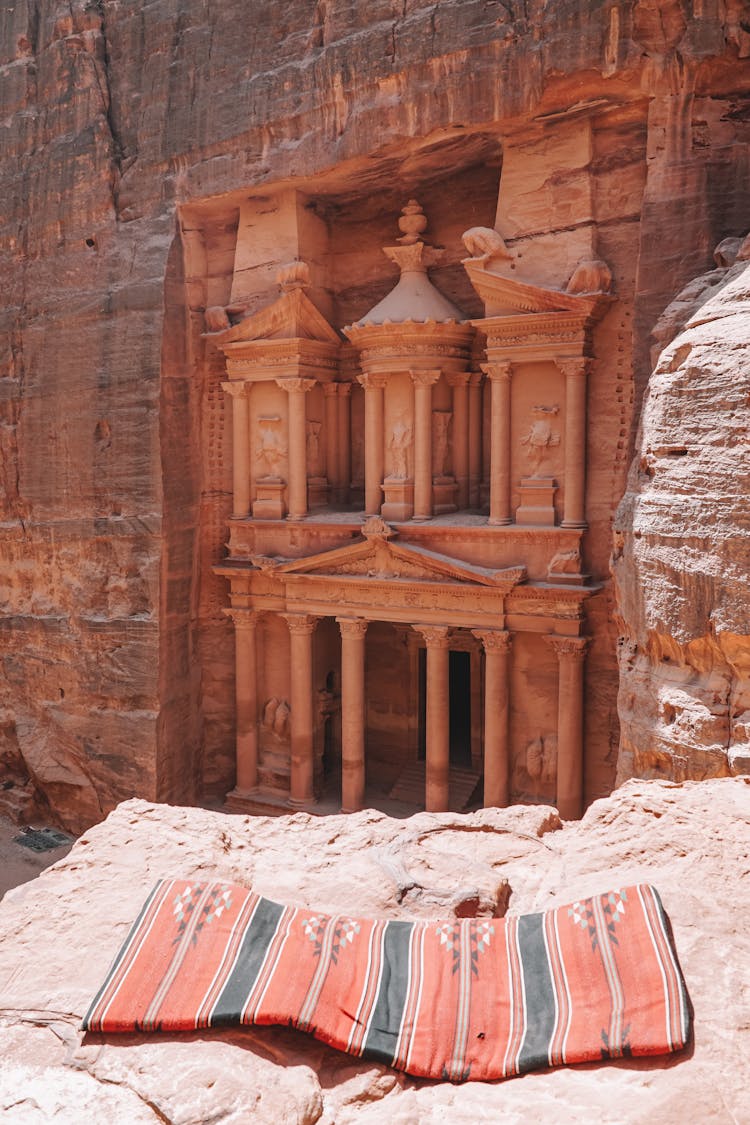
460,708
459,681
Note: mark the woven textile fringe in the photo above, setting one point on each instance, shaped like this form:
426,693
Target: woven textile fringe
479,998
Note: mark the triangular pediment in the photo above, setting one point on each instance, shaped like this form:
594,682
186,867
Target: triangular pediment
377,556
502,293
292,316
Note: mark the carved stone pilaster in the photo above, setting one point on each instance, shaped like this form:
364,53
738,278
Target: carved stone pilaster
571,654
238,392
353,712
500,374
423,383
246,699
374,457
575,370
297,388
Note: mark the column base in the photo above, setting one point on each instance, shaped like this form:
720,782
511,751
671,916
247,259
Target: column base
237,799
421,519
296,519
582,525
498,521
399,499
444,491
269,503
537,501
301,805
317,492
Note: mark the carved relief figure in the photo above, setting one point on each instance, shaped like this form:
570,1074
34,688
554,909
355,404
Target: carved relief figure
399,446
276,714
269,712
440,422
271,452
566,562
540,437
281,720
485,243
313,447
541,759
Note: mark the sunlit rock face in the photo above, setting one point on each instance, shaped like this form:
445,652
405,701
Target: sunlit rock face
683,544
147,158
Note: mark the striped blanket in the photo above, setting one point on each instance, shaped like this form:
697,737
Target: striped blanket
478,998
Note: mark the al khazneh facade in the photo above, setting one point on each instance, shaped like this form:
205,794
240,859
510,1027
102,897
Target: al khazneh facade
404,554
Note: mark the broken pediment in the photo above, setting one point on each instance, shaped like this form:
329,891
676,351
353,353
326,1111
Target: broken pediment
292,316
503,294
376,555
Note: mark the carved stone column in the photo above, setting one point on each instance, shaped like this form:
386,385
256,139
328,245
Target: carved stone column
496,644
575,372
437,784
423,384
297,389
330,390
246,696
460,384
571,655
373,386
353,631
238,392
344,400
301,629
500,375
475,438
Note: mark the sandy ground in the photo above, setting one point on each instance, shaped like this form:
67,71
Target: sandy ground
19,864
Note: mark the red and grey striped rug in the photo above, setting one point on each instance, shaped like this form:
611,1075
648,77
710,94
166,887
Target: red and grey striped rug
475,998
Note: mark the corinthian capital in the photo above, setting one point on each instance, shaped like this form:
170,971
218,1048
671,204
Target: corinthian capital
574,367
296,385
493,640
371,382
425,378
302,624
235,389
242,618
501,370
352,626
435,636
569,648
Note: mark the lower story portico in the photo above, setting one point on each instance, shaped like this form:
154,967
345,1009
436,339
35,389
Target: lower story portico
354,663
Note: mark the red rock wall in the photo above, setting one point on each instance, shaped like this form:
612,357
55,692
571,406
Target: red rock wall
130,135
681,558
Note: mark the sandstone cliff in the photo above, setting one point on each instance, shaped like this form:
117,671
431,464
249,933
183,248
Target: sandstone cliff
616,122
59,933
682,555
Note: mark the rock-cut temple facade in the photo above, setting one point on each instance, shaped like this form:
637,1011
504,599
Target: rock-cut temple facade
404,567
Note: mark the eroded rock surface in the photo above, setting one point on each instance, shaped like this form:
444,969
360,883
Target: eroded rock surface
682,554
59,934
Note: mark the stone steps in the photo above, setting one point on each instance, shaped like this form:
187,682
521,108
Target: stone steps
410,784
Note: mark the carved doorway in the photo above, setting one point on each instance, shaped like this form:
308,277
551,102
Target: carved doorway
460,709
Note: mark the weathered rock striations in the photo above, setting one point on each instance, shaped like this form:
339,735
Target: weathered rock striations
133,136
682,554
59,933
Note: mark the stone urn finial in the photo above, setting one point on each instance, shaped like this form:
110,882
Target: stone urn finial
413,223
